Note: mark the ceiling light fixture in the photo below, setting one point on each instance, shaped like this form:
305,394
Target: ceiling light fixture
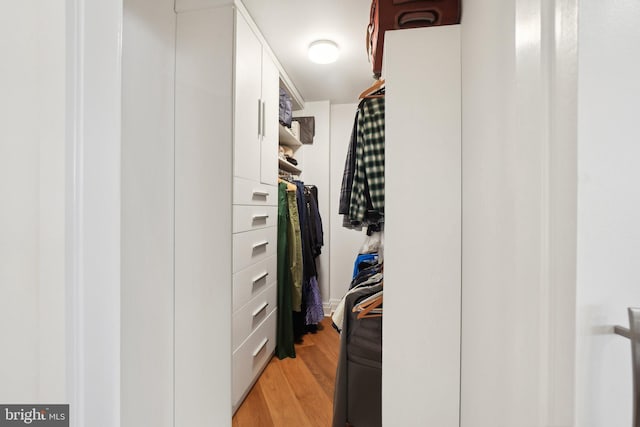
323,52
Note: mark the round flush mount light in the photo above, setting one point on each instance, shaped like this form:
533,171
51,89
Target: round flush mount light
323,52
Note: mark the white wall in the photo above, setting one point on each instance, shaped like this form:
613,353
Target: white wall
608,208
345,243
314,160
148,74
32,218
203,217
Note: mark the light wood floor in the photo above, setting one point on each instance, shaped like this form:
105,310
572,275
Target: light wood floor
295,392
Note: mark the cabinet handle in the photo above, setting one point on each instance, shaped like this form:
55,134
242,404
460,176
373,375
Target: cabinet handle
633,333
260,217
264,132
262,276
259,245
260,309
260,347
260,193
259,118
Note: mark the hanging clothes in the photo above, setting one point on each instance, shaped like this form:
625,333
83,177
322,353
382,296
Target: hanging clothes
363,261
309,265
349,170
294,241
338,314
300,302
362,191
358,388
313,301
317,235
284,324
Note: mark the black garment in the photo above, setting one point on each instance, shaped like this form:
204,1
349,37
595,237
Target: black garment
315,221
299,328
358,391
310,288
309,269
291,160
308,260
363,275
319,230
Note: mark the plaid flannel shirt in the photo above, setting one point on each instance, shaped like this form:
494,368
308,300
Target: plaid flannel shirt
369,162
349,170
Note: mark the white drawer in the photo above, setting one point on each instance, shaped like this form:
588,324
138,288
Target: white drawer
252,280
251,315
253,246
247,218
252,356
248,192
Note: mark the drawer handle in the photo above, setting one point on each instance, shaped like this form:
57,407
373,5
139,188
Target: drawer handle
260,217
261,244
260,309
262,276
260,347
260,193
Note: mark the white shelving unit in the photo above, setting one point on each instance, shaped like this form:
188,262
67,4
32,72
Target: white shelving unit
288,167
287,138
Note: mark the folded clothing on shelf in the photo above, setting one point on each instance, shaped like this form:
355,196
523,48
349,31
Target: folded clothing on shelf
291,160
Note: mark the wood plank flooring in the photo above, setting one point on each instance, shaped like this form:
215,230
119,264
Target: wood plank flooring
295,392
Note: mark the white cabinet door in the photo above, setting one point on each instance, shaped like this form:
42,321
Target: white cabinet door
270,99
248,106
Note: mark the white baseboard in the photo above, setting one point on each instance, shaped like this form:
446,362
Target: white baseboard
330,307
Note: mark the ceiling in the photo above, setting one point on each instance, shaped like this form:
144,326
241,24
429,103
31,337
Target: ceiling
289,26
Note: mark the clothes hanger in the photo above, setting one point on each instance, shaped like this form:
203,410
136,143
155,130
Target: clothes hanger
367,93
366,301
367,305
367,313
290,186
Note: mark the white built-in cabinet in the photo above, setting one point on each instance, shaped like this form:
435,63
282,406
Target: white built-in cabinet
255,208
227,99
256,108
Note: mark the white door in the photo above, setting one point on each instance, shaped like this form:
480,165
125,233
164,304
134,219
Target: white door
608,204
248,104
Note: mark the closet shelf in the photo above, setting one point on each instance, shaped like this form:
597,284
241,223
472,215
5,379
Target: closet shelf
288,139
286,166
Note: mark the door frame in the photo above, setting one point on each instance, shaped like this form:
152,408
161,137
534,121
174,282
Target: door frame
93,117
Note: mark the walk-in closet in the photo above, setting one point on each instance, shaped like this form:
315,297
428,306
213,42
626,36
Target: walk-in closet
341,213
258,200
